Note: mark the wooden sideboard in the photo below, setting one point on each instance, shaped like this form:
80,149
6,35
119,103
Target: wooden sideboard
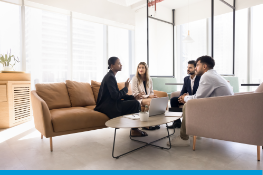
15,99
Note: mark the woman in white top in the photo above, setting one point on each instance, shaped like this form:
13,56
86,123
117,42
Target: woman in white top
142,83
142,87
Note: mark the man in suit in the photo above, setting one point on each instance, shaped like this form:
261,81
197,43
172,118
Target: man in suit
190,87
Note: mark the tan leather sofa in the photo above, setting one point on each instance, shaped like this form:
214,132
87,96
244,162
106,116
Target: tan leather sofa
65,108
237,118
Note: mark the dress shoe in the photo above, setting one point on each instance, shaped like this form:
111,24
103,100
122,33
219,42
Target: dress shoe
176,124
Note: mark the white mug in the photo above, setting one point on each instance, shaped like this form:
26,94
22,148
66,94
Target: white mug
144,116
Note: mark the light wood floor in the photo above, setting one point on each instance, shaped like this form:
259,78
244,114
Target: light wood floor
21,147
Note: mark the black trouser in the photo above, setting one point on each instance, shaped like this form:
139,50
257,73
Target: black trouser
175,104
130,107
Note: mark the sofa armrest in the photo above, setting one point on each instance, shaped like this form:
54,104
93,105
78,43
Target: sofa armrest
175,94
233,118
42,117
160,93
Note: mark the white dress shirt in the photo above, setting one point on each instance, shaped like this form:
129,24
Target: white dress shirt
211,84
192,83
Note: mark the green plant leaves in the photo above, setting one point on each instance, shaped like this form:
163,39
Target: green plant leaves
7,59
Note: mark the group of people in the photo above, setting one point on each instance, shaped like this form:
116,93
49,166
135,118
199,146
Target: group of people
203,81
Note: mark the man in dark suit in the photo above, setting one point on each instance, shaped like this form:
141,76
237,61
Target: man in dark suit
190,87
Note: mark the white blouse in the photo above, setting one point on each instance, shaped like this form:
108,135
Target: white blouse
139,87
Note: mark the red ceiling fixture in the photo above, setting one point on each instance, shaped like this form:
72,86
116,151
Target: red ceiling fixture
153,3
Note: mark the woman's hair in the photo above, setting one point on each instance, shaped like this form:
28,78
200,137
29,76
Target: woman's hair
147,76
112,61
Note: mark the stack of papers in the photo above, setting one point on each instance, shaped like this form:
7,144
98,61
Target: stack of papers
173,114
133,117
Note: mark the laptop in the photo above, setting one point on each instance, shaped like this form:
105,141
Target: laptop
158,106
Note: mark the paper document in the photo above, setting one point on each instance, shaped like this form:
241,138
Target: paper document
173,114
132,116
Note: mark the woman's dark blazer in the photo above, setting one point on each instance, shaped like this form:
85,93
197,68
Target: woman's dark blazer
110,97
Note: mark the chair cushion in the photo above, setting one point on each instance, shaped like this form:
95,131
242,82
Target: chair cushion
96,88
67,119
260,88
55,95
80,94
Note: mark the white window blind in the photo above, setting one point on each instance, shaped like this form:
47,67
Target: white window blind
87,51
47,46
160,48
191,51
241,48
10,31
118,45
256,75
223,43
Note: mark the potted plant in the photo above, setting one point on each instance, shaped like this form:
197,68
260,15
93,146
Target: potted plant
6,61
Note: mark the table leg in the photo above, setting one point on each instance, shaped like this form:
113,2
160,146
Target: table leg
150,144
126,152
146,144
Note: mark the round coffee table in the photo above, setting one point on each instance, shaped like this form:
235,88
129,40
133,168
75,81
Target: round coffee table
128,121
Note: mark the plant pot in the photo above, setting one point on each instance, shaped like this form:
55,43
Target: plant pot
7,68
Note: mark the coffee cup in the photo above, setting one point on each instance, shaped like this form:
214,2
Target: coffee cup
144,116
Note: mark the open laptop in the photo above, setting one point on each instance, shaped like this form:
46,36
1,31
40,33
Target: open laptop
158,106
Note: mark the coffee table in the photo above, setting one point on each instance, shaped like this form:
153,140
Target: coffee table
127,122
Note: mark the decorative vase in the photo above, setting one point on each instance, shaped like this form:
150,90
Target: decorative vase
7,68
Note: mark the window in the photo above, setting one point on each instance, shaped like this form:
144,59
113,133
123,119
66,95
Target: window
10,30
160,48
241,46
118,45
87,51
47,46
191,51
223,43
256,59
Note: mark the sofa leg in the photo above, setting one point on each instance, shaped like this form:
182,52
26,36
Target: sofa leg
51,145
258,152
41,136
194,141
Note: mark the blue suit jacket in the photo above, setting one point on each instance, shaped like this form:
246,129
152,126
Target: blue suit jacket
187,85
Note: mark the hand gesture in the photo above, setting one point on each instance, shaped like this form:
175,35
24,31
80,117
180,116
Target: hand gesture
153,96
181,98
139,96
127,83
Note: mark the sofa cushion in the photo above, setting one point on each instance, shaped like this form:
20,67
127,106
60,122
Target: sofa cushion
91,107
122,85
260,88
80,94
55,95
67,119
96,87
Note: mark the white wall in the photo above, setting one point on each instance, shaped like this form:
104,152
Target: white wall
202,9
98,8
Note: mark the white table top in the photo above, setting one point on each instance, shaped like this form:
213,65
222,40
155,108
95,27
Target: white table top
125,122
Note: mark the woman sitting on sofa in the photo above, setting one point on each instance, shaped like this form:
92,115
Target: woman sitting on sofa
142,86
114,102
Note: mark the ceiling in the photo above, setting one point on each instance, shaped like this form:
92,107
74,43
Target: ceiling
176,4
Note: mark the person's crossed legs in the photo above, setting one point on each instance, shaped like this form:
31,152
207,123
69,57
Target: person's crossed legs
130,107
175,104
